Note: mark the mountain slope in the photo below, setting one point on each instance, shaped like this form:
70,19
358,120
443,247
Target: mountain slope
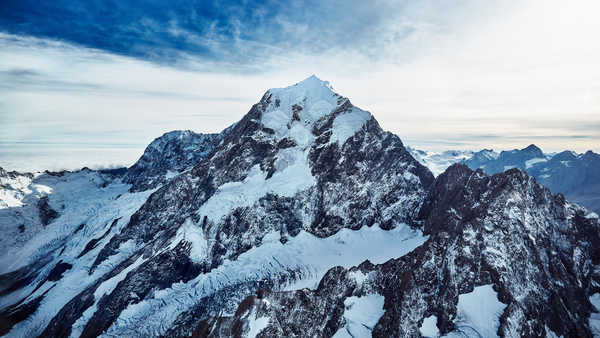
167,156
303,167
501,239
303,219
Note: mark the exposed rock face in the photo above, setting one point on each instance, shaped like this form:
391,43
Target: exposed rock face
47,214
577,176
538,251
167,156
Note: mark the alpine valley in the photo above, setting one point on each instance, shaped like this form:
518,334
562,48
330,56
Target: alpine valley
303,219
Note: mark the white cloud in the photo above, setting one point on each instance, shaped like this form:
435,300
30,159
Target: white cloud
519,72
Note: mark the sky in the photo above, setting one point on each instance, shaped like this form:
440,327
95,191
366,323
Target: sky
91,83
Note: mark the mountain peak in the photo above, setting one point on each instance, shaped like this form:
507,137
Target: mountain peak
313,80
293,112
532,148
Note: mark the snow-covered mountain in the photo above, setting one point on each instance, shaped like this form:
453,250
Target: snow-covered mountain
304,219
438,162
577,176
168,155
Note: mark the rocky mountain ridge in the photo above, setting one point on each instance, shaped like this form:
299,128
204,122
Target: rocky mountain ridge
533,248
305,218
574,175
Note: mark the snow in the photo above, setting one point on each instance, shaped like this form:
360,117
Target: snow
438,162
307,254
83,198
316,99
256,324
530,163
347,124
13,190
594,320
478,313
192,233
103,289
293,175
361,315
429,327
358,276
86,202
314,96
170,174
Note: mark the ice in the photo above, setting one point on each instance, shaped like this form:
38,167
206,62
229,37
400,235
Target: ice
293,175
591,215
306,253
103,289
347,124
193,234
314,96
316,100
256,324
478,313
429,327
86,202
361,315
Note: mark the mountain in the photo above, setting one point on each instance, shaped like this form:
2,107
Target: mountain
303,169
168,155
577,176
497,163
503,256
13,188
305,218
574,175
438,162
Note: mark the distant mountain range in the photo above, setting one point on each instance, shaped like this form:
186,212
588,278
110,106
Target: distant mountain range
577,176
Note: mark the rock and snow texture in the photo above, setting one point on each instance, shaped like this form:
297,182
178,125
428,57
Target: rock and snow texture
595,315
360,316
169,155
304,219
576,176
304,182
504,257
438,162
14,187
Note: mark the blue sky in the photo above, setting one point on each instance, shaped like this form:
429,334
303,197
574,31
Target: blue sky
92,82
